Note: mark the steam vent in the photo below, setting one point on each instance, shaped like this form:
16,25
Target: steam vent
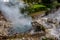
29,19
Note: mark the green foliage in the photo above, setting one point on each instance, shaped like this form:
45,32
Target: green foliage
40,5
36,8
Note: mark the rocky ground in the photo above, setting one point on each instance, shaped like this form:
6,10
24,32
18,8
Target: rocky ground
46,25
51,24
4,26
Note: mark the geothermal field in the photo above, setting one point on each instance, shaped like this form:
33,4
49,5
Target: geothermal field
29,19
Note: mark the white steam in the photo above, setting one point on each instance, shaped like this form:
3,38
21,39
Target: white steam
11,11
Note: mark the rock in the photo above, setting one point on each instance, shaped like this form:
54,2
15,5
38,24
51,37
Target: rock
37,27
4,25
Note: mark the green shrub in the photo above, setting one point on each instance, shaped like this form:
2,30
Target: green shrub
37,7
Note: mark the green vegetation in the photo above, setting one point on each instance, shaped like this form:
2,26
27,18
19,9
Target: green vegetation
36,8
41,5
